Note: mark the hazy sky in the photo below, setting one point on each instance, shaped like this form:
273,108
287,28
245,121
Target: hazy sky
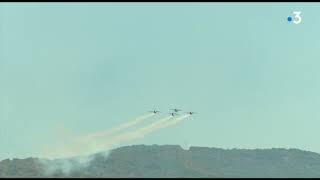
76,68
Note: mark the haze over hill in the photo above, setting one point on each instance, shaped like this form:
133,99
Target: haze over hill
172,161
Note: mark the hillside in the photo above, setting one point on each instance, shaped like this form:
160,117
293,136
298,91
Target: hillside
173,161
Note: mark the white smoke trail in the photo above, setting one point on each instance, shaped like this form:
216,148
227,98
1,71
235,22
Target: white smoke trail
166,122
154,125
102,146
115,129
88,143
126,136
175,121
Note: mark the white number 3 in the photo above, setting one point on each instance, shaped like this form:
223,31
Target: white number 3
297,18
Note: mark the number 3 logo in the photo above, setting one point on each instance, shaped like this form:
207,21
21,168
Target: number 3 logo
297,17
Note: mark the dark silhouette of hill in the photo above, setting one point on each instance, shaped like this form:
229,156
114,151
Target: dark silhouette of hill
172,161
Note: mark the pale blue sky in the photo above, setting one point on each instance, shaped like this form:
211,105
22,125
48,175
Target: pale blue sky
253,77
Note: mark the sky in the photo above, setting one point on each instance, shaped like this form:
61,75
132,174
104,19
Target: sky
71,69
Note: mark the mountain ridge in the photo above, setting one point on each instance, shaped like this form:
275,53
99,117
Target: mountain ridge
172,161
